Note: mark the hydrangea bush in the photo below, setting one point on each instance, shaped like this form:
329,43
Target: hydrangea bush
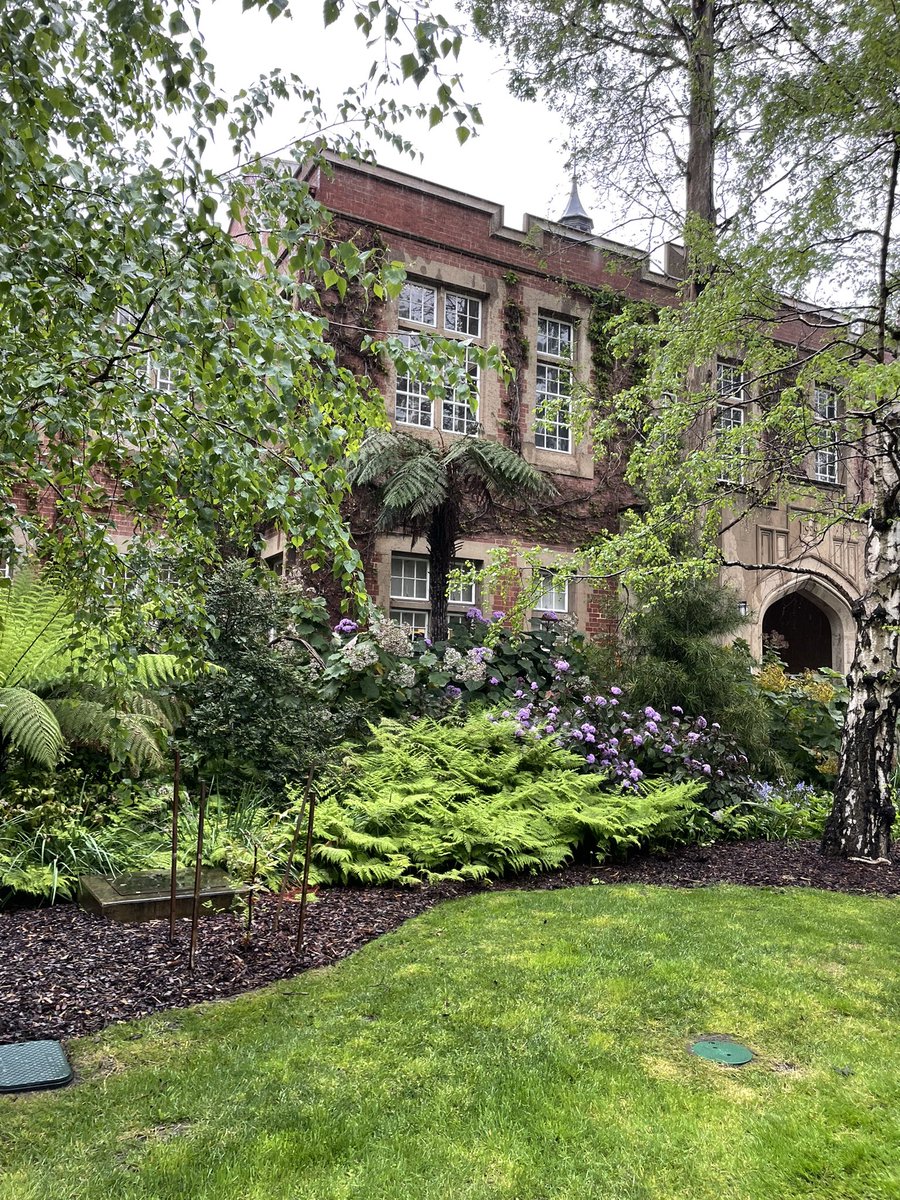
403,674
630,745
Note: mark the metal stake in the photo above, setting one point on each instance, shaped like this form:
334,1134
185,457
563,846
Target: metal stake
252,892
195,910
293,849
173,886
309,836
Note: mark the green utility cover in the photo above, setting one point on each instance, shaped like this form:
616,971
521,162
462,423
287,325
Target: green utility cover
722,1050
29,1065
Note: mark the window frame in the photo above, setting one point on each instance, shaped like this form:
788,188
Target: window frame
731,403
550,576
457,603
826,451
455,415
555,359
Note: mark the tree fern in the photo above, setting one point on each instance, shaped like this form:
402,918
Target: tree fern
51,693
27,723
425,490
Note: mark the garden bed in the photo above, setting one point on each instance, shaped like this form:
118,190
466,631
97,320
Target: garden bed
64,973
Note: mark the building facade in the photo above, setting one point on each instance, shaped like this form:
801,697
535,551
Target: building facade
531,292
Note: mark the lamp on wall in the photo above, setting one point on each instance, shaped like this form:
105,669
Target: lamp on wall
743,607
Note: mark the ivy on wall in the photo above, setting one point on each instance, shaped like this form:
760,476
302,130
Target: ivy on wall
516,348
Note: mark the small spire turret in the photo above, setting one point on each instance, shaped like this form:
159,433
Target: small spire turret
575,215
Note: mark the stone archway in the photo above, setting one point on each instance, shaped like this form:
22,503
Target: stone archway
830,599
800,631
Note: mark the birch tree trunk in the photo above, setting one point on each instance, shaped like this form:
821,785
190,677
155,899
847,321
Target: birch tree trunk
859,825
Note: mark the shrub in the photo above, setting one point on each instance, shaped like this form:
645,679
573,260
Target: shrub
397,674
807,719
59,689
631,745
258,717
675,658
53,833
433,800
777,812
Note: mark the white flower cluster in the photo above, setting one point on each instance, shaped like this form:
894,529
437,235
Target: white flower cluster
404,676
472,667
359,656
391,637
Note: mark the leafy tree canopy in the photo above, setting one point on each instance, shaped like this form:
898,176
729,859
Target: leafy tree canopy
151,361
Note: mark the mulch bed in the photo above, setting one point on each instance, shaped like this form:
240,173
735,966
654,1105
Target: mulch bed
64,973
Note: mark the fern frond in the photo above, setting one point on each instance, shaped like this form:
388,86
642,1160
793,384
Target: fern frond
414,490
30,726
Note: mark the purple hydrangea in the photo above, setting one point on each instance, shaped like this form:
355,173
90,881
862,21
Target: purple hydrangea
493,680
475,614
453,692
345,625
497,615
561,665
615,691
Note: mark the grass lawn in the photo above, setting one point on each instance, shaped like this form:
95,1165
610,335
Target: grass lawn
529,1046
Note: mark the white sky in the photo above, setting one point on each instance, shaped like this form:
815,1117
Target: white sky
517,159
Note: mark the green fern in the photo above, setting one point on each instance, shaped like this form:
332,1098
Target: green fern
52,693
432,801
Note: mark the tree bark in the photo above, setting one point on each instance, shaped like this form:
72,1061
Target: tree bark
443,534
859,825
699,203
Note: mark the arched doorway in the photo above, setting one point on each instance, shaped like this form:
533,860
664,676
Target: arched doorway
799,631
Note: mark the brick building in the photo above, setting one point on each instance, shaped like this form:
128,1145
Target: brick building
530,291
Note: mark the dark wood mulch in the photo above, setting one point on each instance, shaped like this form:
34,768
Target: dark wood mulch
64,973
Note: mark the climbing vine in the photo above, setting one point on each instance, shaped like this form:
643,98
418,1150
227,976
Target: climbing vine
515,347
606,306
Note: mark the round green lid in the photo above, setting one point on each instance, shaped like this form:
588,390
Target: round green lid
722,1050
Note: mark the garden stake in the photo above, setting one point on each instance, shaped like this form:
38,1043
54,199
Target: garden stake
173,887
292,850
306,861
252,892
195,910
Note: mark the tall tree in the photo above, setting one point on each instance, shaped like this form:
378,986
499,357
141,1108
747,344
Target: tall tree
803,164
425,490
651,89
152,364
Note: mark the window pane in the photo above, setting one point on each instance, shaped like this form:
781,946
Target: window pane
826,436
412,404
466,593
555,597
418,302
827,465
730,417
553,410
730,380
413,618
555,338
409,577
159,377
456,411
826,405
462,314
